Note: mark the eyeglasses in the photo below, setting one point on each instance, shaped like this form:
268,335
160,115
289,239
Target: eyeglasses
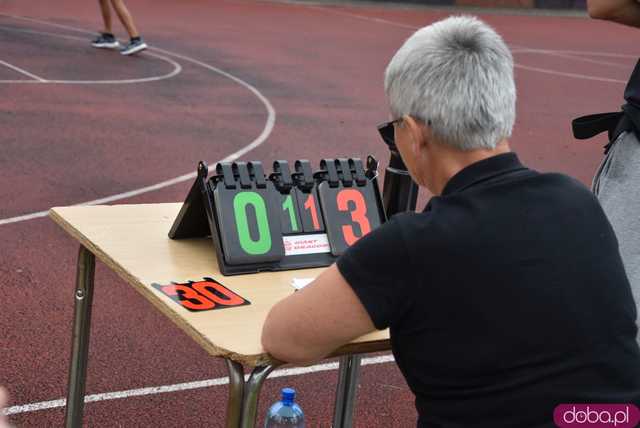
387,133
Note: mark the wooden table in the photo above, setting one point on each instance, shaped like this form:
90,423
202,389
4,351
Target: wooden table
132,240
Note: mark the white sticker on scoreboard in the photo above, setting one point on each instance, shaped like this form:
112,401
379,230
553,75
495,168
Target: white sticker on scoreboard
296,245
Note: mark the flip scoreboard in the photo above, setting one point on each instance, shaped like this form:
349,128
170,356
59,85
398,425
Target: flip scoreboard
290,219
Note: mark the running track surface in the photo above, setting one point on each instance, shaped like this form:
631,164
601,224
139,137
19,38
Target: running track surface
319,68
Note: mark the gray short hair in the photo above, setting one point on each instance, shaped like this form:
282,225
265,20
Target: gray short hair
456,74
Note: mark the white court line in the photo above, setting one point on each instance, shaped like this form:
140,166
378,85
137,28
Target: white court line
364,17
578,56
573,55
50,24
572,52
589,60
25,72
177,68
153,390
564,74
515,49
266,131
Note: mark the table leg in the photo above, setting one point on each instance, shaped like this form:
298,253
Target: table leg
236,394
252,393
346,391
83,297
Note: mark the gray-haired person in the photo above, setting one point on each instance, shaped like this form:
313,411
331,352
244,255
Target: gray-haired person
617,180
506,296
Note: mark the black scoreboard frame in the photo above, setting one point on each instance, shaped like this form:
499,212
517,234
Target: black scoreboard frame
206,209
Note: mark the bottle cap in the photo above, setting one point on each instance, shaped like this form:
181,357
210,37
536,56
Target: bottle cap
288,395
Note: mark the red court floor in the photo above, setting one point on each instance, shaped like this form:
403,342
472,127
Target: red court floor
259,80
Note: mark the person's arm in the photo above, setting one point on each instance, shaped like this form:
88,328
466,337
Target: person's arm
316,320
625,12
363,291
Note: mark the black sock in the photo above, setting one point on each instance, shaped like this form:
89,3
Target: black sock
108,35
135,39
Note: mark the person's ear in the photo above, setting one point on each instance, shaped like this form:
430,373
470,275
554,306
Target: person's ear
417,132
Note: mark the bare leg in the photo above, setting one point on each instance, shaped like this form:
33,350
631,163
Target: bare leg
106,16
125,17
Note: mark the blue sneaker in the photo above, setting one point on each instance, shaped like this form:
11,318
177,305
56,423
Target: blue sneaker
105,41
134,46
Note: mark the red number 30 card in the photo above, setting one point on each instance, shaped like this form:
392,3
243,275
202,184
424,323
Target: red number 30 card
205,295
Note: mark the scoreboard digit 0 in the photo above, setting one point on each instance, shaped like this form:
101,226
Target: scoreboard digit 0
246,208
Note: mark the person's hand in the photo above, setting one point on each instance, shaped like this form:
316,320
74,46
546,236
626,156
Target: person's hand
4,399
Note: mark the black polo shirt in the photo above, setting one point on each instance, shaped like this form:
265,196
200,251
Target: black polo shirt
505,298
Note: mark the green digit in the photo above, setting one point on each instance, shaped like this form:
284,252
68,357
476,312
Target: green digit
240,202
287,205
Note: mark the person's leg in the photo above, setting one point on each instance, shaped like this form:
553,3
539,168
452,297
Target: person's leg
136,44
125,17
106,16
106,38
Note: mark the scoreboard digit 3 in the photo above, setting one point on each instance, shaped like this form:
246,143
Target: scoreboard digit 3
290,219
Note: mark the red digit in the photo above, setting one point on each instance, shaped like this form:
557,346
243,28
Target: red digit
185,292
230,298
311,206
359,215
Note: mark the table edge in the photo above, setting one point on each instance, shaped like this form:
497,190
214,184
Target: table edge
251,360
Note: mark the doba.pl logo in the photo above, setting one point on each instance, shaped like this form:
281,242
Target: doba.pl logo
596,415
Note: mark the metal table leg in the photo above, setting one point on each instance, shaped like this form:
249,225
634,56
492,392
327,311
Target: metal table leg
252,393
243,396
83,297
346,391
236,394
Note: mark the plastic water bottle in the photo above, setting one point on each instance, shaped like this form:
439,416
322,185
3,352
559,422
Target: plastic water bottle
285,413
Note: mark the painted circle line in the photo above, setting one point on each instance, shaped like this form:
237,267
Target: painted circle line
177,68
259,140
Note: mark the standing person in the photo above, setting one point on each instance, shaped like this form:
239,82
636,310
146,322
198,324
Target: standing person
617,181
506,296
106,39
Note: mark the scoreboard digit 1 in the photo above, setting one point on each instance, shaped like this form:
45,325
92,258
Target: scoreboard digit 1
307,195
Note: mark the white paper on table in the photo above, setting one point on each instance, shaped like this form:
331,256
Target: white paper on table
300,283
